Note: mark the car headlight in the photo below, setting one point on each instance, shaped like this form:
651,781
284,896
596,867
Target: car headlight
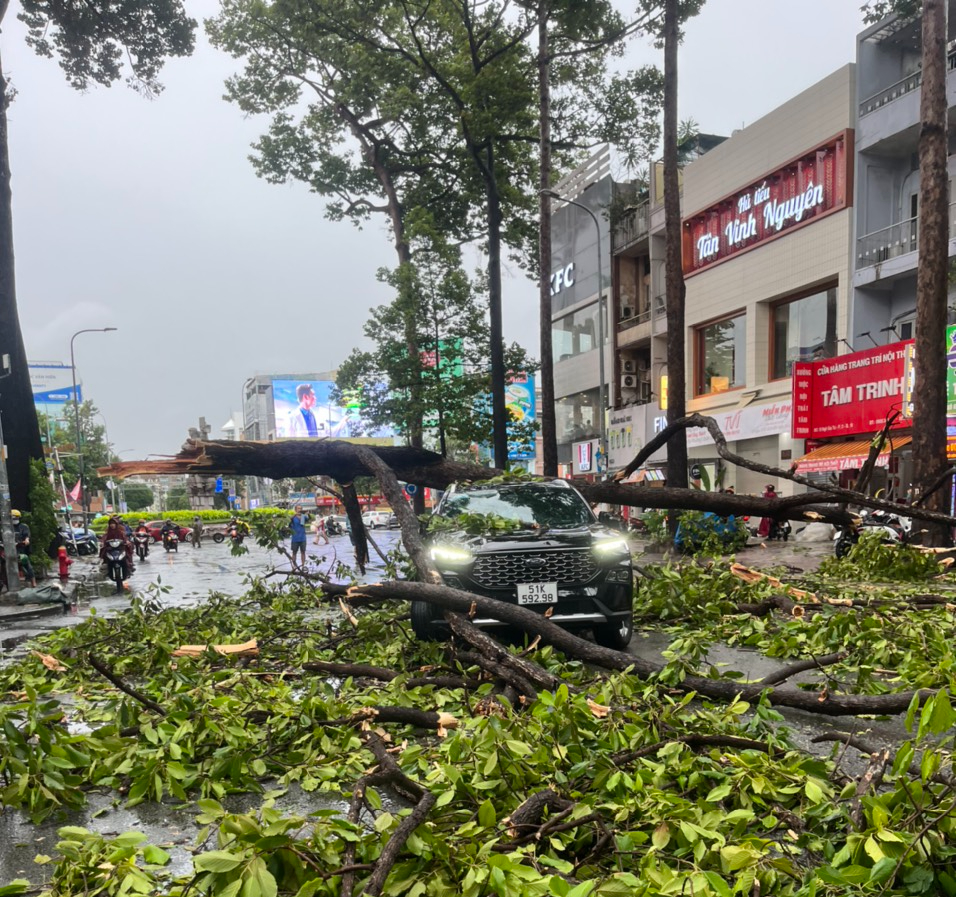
612,547
451,554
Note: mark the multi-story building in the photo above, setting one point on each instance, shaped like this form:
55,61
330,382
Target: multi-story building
579,269
767,235
887,166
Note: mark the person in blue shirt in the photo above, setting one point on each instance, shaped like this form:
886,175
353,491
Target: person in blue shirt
298,525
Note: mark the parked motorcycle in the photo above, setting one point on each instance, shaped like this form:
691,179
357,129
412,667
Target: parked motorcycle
117,566
891,528
171,541
779,530
332,528
141,544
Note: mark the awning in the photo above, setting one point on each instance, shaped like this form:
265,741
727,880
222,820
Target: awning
848,455
647,475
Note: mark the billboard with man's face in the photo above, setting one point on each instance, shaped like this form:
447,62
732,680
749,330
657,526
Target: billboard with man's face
304,409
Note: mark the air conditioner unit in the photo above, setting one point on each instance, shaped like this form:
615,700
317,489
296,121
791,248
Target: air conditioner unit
629,366
627,311
629,381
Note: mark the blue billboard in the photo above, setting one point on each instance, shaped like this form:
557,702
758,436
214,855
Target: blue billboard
304,409
522,405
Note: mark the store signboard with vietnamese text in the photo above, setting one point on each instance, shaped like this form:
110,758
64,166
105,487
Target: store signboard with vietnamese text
802,191
52,383
584,458
849,395
750,422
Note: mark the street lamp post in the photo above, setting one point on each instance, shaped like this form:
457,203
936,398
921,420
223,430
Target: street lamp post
85,502
602,403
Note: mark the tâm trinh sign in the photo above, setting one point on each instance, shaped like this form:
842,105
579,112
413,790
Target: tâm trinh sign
796,194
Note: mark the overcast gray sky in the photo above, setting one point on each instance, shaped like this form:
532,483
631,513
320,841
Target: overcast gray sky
147,216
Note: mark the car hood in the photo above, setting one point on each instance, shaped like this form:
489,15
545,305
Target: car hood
531,539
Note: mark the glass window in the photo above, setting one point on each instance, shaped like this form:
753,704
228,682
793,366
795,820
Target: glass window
803,330
528,504
576,416
722,355
575,334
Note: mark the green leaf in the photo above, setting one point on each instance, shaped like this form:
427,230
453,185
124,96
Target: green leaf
17,886
942,717
155,856
263,878
882,870
718,884
216,861
486,814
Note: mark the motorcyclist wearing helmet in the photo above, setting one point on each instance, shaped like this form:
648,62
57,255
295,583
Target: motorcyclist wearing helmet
22,533
116,530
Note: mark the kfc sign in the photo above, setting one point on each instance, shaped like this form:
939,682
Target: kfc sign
802,191
849,395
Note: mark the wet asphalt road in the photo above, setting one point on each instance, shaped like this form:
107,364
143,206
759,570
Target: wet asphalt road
187,576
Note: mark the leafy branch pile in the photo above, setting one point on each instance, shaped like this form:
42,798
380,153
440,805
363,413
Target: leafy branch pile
461,776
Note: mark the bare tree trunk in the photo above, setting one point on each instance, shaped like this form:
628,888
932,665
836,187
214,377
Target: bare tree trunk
929,411
549,439
21,430
676,367
498,410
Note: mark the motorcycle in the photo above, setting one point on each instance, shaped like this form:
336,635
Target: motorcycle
171,541
892,529
236,534
141,544
332,528
117,566
779,530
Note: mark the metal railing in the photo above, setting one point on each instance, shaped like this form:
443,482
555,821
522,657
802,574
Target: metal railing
893,241
633,226
642,317
902,87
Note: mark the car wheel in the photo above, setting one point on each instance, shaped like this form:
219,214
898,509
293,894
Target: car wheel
616,634
218,537
424,623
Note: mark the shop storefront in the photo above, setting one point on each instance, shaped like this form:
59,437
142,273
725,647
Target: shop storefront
755,431
840,404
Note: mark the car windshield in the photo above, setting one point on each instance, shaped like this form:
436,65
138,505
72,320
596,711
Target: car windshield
531,503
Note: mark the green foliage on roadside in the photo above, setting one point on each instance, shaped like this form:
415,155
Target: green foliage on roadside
873,560
699,531
473,524
40,518
185,518
654,811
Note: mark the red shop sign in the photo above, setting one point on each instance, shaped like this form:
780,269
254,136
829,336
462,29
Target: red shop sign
848,395
798,193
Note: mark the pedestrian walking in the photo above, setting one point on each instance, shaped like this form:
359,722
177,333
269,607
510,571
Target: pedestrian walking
297,525
196,534
319,532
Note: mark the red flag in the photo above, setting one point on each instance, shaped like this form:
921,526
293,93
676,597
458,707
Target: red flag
76,492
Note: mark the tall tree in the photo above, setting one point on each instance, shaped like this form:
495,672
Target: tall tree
583,36
929,407
94,42
452,368
676,290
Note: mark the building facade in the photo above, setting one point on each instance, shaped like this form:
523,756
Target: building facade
580,267
767,252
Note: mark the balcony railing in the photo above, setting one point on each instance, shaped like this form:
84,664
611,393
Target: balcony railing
901,88
893,241
633,226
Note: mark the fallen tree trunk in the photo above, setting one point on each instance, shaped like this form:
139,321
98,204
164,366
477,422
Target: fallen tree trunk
823,702
344,461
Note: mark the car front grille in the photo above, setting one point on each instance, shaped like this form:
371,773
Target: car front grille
502,570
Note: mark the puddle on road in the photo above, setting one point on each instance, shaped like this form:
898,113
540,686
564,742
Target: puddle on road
171,827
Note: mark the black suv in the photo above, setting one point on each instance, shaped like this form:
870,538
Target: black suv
558,557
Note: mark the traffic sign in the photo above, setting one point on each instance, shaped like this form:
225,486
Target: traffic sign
410,488
219,484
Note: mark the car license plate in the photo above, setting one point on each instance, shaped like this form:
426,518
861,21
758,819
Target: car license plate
538,593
